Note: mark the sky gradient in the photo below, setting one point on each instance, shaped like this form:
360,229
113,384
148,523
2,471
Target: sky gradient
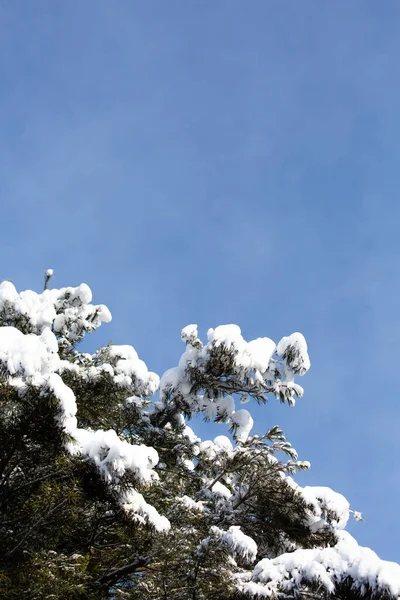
223,162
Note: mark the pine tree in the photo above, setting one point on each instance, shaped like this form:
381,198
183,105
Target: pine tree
106,492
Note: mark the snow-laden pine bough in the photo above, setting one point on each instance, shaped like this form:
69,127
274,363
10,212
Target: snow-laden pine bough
233,502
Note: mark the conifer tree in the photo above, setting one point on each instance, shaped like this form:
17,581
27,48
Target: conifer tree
106,492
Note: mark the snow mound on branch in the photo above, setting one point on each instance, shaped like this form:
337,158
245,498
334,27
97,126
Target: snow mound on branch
326,567
221,489
211,450
130,368
221,441
293,348
133,503
190,335
30,354
171,379
249,355
191,504
225,406
328,509
243,423
67,310
328,505
114,456
36,308
235,540
68,408
190,434
240,543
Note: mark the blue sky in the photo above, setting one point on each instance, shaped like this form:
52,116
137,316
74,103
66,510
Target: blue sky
223,162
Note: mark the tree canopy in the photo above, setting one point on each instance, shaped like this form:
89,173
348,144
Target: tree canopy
106,492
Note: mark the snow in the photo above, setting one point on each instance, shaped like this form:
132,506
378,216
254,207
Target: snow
229,335
240,543
66,397
133,503
208,449
189,334
49,273
211,450
103,313
325,567
243,422
57,319
294,349
191,504
221,489
190,434
237,542
130,368
261,351
31,357
61,309
249,355
39,311
326,500
186,463
328,509
209,407
127,353
221,441
134,401
114,456
226,406
28,354
255,365
83,292
8,293
170,379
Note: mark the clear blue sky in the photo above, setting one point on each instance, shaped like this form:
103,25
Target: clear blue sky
223,162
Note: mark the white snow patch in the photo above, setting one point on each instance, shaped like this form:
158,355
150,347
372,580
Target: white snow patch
223,442
324,500
325,567
191,504
294,349
190,335
28,354
114,456
243,423
134,503
221,489
237,542
129,367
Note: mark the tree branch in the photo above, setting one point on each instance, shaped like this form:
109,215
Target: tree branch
35,525
113,576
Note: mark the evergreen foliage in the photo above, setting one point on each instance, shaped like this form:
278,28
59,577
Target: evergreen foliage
106,492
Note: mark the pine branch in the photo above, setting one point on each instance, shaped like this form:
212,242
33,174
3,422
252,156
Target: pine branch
113,576
208,382
38,479
35,525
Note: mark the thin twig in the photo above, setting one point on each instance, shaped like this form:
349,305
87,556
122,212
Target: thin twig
35,525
